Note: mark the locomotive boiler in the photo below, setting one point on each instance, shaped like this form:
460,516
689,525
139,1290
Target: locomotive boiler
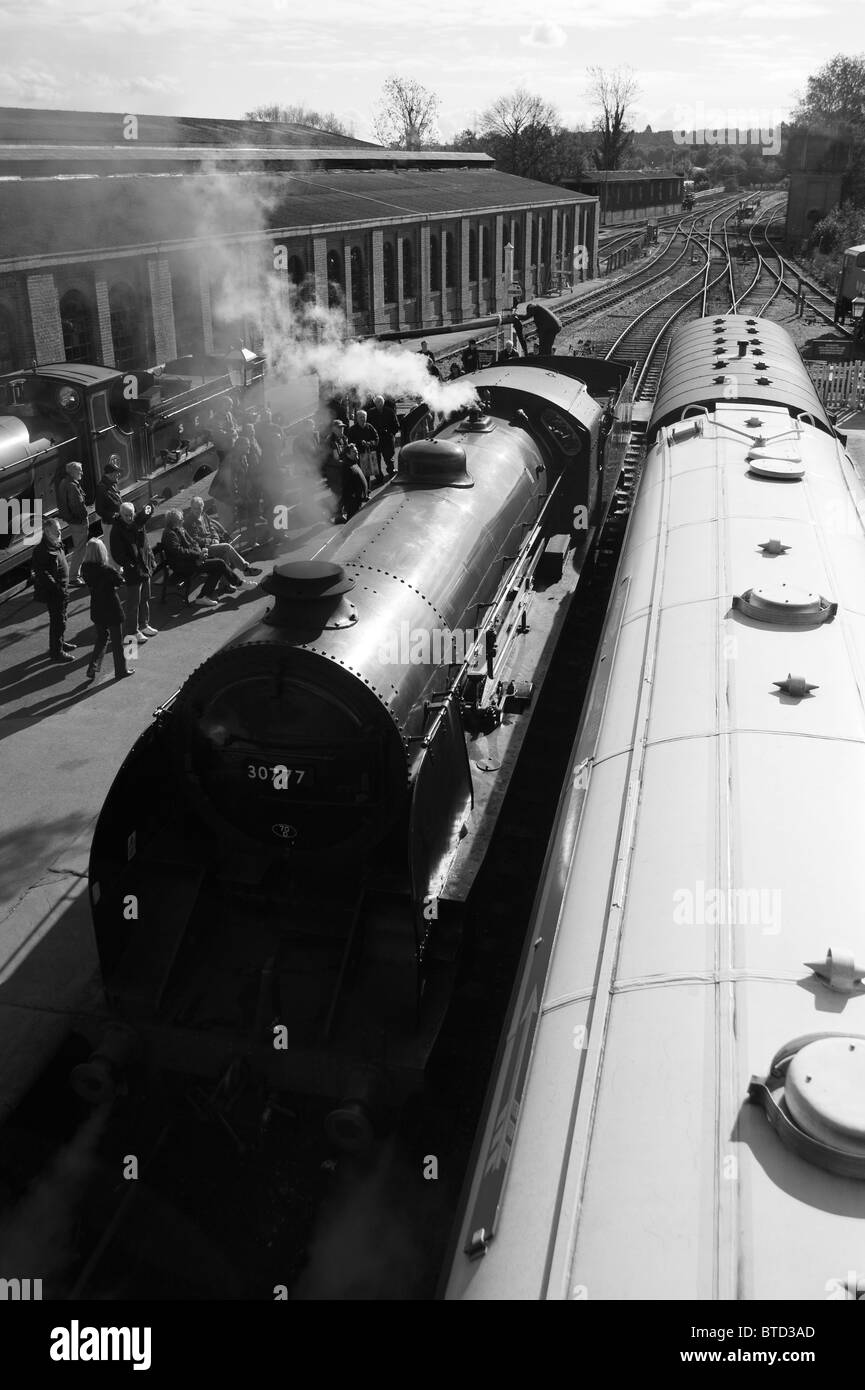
268,872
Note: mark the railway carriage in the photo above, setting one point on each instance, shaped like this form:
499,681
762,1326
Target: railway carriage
678,1105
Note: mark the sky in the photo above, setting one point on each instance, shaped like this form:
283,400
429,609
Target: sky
697,62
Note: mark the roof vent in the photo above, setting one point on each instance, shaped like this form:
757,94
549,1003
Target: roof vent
838,971
753,422
814,1099
310,595
797,686
434,463
785,606
773,547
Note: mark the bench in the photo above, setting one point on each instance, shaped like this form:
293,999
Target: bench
183,584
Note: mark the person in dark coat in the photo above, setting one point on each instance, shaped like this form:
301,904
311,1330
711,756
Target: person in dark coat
383,419
107,499
471,358
51,587
72,508
355,489
106,612
365,439
131,553
186,558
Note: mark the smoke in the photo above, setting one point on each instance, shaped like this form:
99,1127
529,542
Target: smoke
36,1240
298,335
369,1243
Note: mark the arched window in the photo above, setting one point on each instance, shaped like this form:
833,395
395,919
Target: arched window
486,243
124,327
296,270
389,270
473,254
334,279
407,270
77,323
450,261
358,283
566,246
435,264
8,345
515,242
540,256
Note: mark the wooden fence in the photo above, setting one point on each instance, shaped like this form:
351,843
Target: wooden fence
839,385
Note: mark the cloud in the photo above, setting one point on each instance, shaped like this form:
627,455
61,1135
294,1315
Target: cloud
545,36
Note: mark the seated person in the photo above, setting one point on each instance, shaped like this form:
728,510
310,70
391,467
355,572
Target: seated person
186,558
207,532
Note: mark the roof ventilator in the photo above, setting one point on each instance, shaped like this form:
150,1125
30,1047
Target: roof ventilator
785,606
838,971
814,1099
797,686
773,547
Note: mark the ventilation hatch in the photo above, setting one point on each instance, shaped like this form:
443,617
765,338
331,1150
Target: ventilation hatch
785,605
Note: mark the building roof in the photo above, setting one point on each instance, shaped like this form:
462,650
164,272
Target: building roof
624,176
68,218
23,126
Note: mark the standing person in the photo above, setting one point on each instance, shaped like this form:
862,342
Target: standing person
332,468
355,489
471,357
383,419
107,499
130,553
106,612
455,371
72,508
365,439
50,586
186,557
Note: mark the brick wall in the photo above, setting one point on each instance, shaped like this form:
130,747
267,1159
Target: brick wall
379,317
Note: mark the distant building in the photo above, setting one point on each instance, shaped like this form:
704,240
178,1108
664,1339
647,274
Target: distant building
119,235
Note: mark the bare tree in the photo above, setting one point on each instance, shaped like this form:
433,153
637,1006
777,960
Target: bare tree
301,115
615,93
405,118
526,126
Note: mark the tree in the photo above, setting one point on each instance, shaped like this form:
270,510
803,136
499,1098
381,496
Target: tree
522,128
835,102
836,95
301,115
405,119
615,93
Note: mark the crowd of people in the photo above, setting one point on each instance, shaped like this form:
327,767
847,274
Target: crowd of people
360,452
117,566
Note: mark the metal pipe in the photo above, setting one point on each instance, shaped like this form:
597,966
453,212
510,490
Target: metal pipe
467,326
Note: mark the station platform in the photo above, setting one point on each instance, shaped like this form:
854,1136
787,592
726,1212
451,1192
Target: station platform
63,741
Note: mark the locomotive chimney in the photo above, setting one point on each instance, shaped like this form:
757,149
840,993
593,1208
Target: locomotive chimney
310,595
743,347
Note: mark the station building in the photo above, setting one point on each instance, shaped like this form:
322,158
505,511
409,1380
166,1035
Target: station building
119,234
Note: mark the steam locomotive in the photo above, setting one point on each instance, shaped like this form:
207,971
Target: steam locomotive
62,411
267,872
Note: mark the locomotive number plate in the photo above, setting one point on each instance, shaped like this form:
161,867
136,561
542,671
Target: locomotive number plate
280,777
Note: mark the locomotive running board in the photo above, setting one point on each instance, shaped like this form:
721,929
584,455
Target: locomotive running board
493,757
